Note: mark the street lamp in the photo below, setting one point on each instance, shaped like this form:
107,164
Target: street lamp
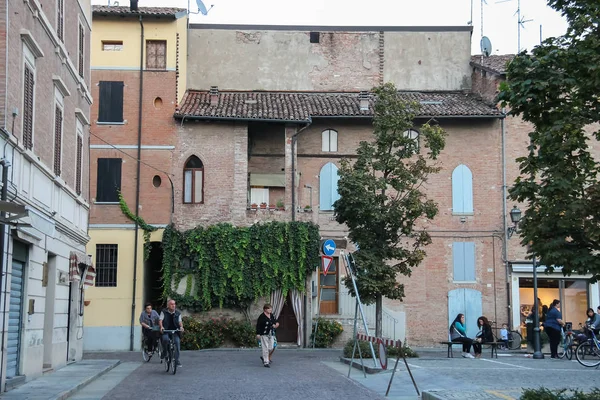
515,217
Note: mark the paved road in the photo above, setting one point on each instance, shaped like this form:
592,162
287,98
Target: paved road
302,374
237,375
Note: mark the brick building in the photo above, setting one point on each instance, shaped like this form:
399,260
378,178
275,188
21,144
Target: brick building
138,77
44,117
297,105
576,294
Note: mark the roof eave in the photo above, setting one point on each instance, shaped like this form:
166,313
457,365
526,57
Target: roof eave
212,118
297,121
487,69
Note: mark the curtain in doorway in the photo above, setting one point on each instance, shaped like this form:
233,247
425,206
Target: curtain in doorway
277,302
297,306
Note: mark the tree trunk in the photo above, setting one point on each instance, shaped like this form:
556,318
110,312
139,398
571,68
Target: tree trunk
378,315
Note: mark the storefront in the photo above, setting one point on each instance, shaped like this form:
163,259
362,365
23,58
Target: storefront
575,293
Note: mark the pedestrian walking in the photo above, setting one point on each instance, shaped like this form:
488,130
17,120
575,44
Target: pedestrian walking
264,332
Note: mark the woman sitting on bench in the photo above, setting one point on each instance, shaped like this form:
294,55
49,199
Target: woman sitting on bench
458,334
484,336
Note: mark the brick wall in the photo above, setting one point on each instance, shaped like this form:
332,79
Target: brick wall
46,67
3,61
158,129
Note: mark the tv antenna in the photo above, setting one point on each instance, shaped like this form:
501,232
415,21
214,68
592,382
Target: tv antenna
201,8
521,21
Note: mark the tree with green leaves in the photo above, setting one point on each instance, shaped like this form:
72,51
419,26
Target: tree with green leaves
382,198
556,88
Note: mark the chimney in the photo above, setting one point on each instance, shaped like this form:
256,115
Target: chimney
133,5
214,95
364,101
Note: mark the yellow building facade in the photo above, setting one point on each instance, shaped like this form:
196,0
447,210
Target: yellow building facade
138,62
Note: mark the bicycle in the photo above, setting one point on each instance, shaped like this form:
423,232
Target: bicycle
157,347
588,352
565,347
514,337
170,363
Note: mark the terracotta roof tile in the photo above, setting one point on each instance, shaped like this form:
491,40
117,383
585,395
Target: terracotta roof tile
495,63
294,106
126,11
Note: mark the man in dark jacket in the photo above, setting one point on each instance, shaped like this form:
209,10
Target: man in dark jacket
170,320
264,326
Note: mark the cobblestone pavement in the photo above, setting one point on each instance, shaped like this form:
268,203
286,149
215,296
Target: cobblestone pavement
305,374
237,375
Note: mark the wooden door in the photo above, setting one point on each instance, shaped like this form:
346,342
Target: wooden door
288,326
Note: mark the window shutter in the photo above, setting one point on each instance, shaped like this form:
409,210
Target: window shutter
108,180
79,160
458,260
58,117
28,83
110,108
469,248
161,55
156,54
60,6
150,54
81,50
462,190
328,183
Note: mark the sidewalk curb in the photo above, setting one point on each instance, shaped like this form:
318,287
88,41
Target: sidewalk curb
430,395
68,393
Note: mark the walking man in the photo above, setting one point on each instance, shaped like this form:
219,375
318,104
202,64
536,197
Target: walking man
264,327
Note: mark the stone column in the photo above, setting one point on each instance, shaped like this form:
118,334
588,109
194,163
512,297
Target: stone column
240,174
290,131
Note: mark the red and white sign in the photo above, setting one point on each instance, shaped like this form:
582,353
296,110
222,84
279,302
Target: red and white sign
326,263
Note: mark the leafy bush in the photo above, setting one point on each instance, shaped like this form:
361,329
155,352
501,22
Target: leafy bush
327,331
562,394
213,333
366,350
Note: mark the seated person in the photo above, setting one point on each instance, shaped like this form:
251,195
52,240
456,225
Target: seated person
483,336
458,334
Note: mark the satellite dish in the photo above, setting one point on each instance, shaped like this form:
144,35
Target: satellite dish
486,46
202,8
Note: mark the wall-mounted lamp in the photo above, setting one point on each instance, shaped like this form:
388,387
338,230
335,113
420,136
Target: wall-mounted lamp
515,217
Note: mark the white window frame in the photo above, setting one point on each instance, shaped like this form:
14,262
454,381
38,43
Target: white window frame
413,134
59,102
329,140
58,33
112,45
29,60
259,195
78,132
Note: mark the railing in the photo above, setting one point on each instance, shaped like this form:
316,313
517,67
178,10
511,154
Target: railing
347,305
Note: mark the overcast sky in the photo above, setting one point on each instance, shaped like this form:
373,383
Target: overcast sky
500,23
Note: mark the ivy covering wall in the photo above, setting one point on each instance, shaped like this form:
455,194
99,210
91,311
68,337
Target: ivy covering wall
230,266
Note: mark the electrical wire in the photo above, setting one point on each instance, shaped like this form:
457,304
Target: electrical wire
130,156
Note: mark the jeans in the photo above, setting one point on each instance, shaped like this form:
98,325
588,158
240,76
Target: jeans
165,344
466,342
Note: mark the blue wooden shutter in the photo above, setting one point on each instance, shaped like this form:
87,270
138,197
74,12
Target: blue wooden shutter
456,305
469,257
473,310
462,190
463,260
328,183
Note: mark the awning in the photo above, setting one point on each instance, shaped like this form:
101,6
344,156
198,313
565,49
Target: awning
79,263
267,180
26,217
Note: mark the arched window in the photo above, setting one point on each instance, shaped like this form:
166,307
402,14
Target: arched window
193,181
329,140
328,186
462,190
414,135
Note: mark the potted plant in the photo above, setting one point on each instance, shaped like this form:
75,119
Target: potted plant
254,206
280,205
307,208
271,206
263,205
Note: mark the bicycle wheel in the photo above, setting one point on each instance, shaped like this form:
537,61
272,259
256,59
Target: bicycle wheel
569,347
145,355
167,362
587,354
173,362
562,347
159,350
514,340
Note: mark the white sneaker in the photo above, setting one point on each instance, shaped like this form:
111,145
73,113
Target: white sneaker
469,355
464,355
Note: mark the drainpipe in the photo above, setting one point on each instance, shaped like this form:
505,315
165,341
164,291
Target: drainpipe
137,184
3,196
505,233
294,142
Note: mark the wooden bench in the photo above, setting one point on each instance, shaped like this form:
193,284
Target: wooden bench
493,345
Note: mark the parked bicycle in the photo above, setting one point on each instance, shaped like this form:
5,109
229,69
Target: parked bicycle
156,347
514,337
565,347
588,351
170,363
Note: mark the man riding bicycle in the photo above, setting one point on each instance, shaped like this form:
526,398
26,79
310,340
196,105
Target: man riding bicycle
170,320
